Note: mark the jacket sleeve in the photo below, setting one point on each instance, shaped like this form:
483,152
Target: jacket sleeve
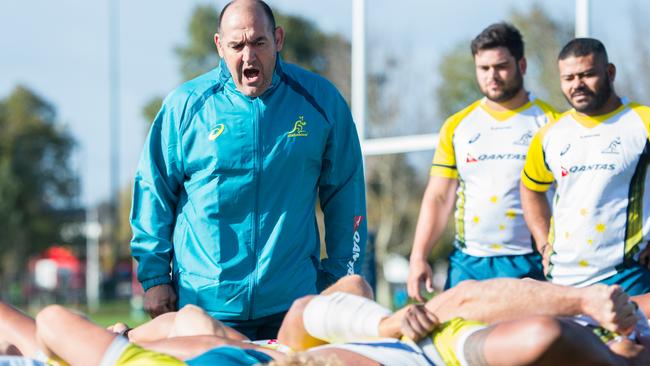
342,198
155,197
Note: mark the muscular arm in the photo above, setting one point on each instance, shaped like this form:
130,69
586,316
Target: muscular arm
437,204
508,299
537,214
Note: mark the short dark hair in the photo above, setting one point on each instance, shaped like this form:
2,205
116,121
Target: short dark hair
265,7
500,35
580,47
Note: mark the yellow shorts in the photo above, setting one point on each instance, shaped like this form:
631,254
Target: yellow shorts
123,353
450,338
137,356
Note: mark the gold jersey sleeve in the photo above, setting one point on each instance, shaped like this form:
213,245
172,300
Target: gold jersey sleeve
444,159
643,112
536,176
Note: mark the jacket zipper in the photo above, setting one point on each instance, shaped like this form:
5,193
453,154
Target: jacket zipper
257,165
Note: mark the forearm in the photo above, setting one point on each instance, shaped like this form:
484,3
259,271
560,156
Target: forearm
537,213
506,299
436,207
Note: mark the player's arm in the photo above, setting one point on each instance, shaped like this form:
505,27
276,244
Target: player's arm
437,205
342,198
507,299
537,213
155,196
536,180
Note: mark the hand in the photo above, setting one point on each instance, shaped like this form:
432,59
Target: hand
419,272
644,256
159,300
610,306
418,322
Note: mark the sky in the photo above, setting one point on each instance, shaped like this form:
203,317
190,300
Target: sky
59,49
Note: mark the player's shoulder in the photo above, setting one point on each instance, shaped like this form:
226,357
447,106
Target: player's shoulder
194,89
642,110
310,81
560,120
459,116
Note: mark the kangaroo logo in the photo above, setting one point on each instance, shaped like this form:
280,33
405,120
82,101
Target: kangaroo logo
525,139
613,146
298,128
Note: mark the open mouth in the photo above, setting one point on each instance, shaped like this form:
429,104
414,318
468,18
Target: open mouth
251,73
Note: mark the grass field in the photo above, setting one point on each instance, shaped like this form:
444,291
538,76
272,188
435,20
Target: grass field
109,312
117,311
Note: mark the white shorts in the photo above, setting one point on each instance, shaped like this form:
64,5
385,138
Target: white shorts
390,352
19,361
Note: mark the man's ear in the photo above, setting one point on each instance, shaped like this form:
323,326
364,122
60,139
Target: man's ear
523,64
611,71
218,44
279,38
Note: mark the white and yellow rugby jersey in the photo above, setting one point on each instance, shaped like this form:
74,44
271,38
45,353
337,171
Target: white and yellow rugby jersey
600,212
485,150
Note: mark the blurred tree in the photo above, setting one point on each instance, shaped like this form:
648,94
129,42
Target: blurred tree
458,86
632,78
199,54
543,39
36,179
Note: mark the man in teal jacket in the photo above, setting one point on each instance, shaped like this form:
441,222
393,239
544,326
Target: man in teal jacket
223,211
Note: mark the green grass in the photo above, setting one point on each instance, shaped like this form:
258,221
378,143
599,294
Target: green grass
109,312
117,311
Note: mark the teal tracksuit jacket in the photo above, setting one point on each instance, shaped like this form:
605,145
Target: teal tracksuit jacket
226,188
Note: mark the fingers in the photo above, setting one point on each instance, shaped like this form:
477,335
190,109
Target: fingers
429,284
624,311
418,322
612,308
159,300
413,289
419,274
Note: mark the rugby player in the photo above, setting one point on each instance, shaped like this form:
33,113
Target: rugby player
597,154
516,325
477,165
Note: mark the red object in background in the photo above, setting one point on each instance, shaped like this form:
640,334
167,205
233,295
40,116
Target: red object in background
64,258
